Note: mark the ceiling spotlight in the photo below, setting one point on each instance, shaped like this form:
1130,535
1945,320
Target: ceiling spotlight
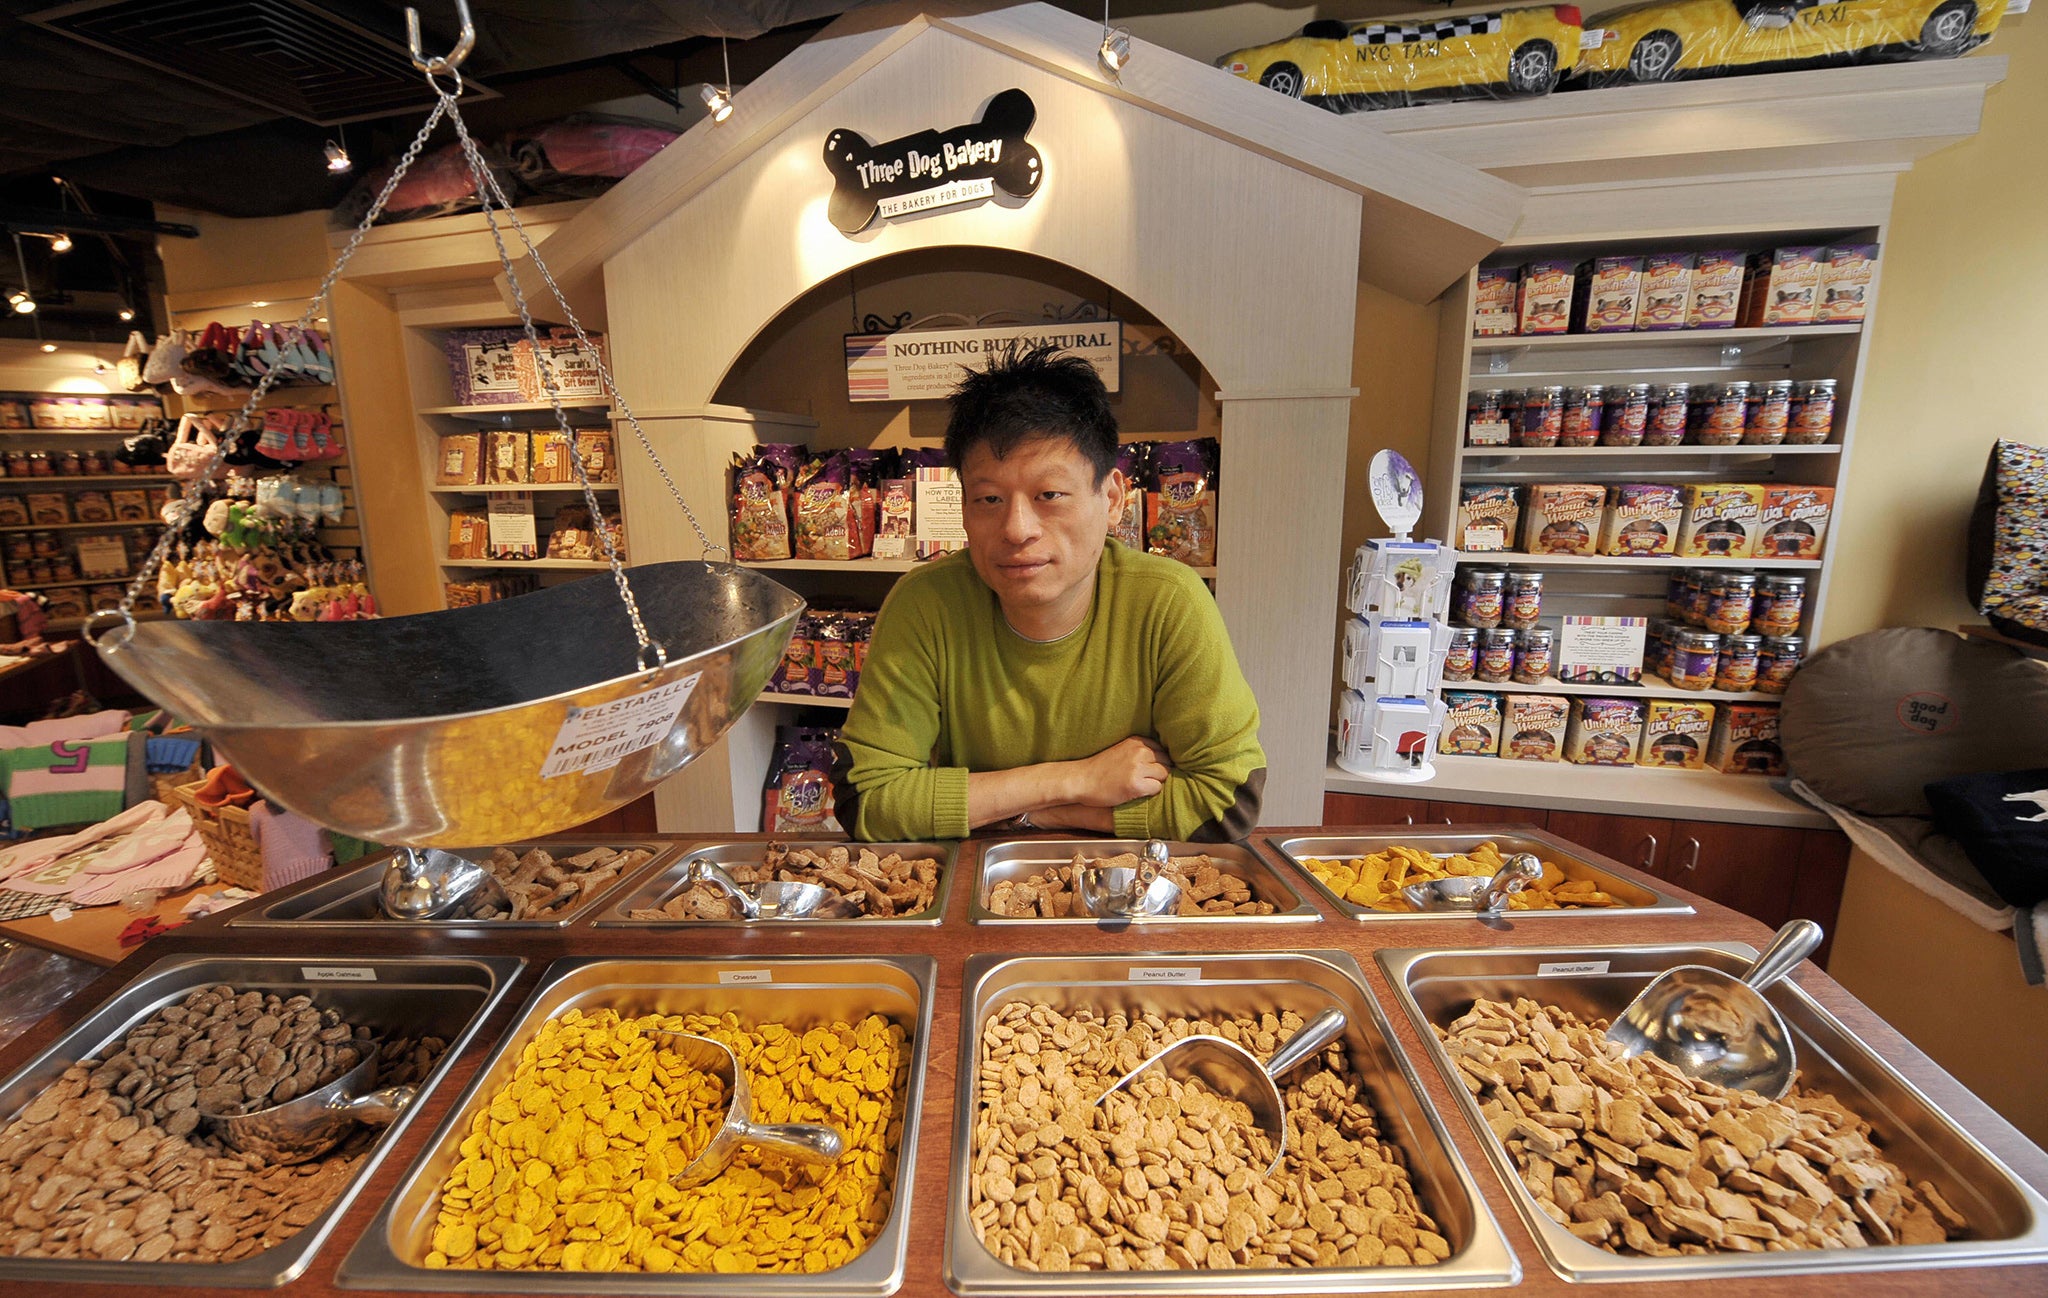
61,242
22,303
338,161
716,102
1116,49
49,347
126,313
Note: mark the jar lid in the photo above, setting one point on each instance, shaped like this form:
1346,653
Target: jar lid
1697,640
1781,643
1785,582
1498,635
1742,643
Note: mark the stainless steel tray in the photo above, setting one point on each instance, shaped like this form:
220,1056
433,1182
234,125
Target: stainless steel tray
659,886
1211,982
444,996
1642,899
348,899
796,990
2007,1215
1022,858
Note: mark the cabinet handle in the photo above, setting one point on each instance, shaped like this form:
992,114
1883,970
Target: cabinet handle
1649,861
1692,856
1447,820
1408,819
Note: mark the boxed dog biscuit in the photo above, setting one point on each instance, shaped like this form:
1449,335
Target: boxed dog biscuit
1642,519
1532,727
1745,740
1608,293
1545,297
1563,518
131,506
1604,732
1667,291
1722,521
468,535
1794,522
1495,309
1781,287
1486,516
550,457
47,508
1845,283
1675,735
462,461
1471,724
505,456
1716,290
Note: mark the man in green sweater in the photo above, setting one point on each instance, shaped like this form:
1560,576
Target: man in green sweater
1047,676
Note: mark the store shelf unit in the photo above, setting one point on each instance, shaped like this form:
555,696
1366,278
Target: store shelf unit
1628,586
1652,687
19,488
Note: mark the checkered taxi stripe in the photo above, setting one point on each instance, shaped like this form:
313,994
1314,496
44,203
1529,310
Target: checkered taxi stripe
1446,30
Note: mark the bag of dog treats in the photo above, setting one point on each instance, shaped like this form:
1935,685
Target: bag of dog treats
825,526
1128,525
792,675
1180,508
797,798
761,484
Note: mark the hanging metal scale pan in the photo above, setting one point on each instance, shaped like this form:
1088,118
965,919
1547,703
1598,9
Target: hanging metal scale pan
490,724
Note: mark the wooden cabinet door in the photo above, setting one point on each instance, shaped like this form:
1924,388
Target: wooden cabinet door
1817,893
1641,841
1353,810
1482,813
1750,868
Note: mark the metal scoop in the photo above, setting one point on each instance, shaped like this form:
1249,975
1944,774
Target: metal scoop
1718,1028
310,1125
1470,894
802,1141
1129,892
428,883
1234,1073
773,900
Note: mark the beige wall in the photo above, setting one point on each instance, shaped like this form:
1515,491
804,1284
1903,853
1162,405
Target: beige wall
229,252
1955,359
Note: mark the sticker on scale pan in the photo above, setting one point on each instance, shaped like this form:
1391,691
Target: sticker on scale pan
1170,974
337,973
598,738
1571,968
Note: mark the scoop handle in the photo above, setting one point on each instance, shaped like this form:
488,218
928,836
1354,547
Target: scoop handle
702,870
381,1108
1797,940
803,1141
1312,1036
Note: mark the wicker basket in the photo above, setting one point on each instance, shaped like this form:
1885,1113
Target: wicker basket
164,788
229,839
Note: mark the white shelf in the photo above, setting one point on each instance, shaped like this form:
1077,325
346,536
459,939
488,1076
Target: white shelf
1645,338
1630,452
805,700
49,481
60,527
522,486
516,408
546,565
1658,563
1653,687
1608,790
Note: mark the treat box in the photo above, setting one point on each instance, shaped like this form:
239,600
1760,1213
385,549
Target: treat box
1722,521
1532,727
1471,725
1022,858
657,887
1564,518
1745,740
1781,287
1576,862
347,899
1675,735
1794,522
1668,291
444,996
1228,983
1845,275
1608,295
799,991
1494,310
1483,509
1716,291
2010,1220
1642,520
1545,296
1604,731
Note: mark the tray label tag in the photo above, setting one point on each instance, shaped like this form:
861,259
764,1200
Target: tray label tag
1171,974
1571,968
337,973
597,738
729,977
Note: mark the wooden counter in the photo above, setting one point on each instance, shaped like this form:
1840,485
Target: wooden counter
956,939
93,933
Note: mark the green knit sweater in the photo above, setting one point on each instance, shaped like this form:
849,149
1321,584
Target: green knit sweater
949,688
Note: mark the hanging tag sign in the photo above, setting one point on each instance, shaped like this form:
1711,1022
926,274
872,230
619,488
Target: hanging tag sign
597,739
927,364
934,169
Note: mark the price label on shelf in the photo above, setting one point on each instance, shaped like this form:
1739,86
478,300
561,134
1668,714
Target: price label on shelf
599,738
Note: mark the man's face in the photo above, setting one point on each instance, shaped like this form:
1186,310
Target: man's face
1037,520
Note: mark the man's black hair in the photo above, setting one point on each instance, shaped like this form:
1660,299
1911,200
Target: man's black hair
1023,396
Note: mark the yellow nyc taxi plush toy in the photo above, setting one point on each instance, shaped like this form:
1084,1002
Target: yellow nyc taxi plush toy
1677,39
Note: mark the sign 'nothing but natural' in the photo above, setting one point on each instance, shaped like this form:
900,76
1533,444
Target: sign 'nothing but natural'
929,170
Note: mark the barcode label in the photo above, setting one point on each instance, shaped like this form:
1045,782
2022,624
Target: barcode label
1180,974
337,973
1570,969
599,738
728,977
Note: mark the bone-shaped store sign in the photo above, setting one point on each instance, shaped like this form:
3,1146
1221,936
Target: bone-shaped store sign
934,169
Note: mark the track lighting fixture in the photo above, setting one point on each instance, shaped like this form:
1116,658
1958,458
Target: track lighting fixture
718,99
22,303
338,161
49,347
126,313
60,242
1116,49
